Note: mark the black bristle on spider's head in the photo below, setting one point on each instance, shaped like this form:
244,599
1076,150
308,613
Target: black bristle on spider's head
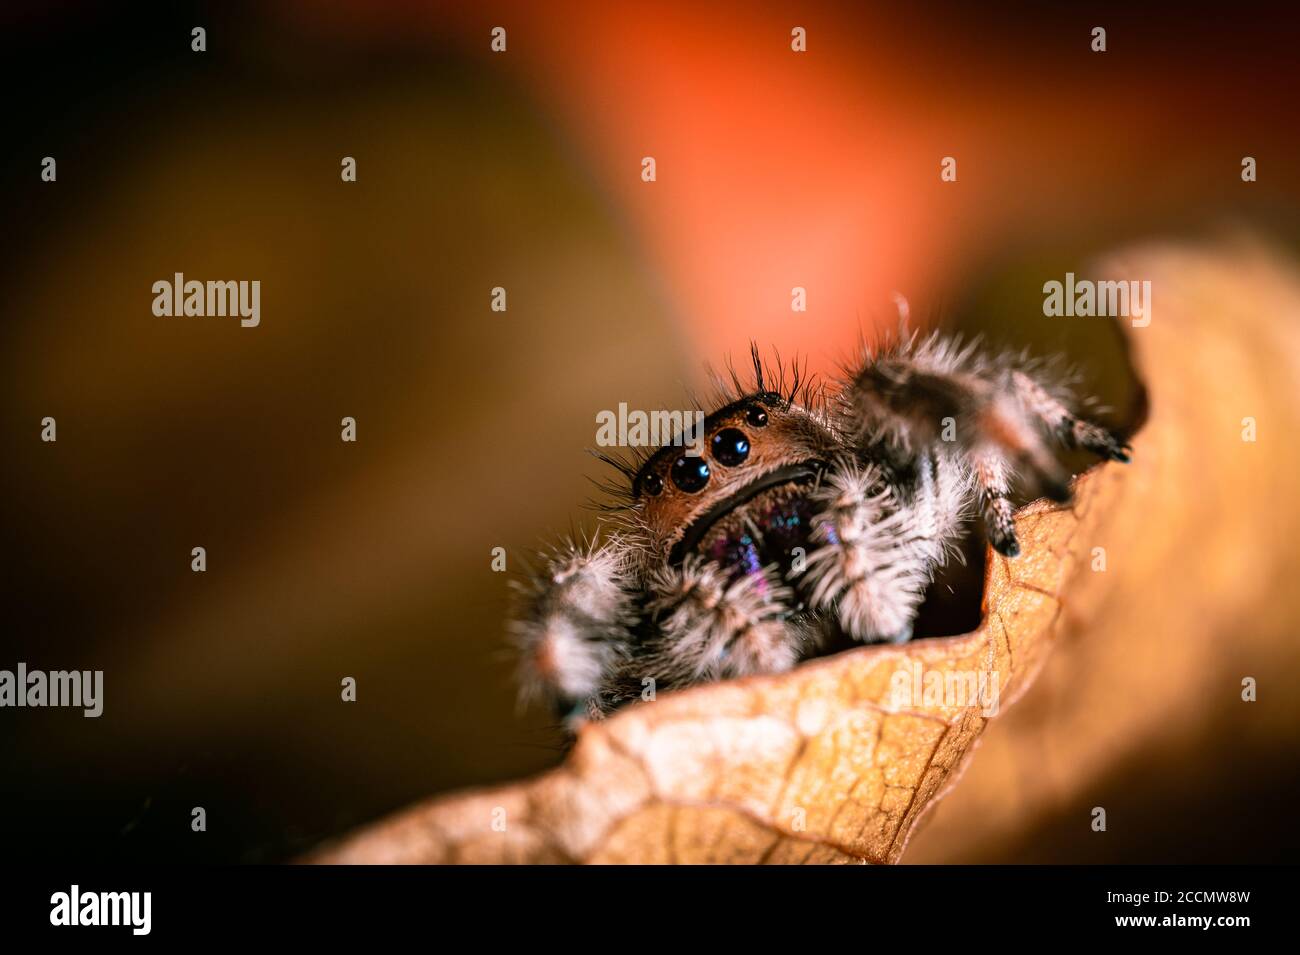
776,383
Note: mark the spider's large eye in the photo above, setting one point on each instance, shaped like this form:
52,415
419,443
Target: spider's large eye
730,447
690,474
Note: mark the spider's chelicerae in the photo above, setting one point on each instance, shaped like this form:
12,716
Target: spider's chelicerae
813,514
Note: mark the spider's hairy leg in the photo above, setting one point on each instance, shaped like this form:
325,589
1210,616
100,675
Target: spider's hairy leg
709,626
877,553
573,622
992,477
919,396
995,418
1073,431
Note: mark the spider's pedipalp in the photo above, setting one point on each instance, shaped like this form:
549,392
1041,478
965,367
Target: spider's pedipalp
711,627
876,556
573,623
942,498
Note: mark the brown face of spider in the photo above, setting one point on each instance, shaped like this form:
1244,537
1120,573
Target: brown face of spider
742,501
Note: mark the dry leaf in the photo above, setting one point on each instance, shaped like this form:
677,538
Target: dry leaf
1140,708
818,765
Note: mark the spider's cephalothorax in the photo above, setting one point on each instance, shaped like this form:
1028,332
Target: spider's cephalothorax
808,516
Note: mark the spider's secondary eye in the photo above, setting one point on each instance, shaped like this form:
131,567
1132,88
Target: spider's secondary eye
652,484
731,447
757,417
690,474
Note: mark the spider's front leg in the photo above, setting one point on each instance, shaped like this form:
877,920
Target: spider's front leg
992,419
573,624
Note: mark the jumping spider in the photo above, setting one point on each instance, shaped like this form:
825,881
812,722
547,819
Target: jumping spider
812,515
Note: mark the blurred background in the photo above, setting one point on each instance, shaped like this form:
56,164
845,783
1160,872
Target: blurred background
521,170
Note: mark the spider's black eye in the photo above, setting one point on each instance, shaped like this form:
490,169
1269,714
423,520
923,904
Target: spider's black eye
757,417
652,484
690,474
731,447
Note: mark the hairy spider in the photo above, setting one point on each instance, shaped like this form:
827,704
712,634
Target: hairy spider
813,514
